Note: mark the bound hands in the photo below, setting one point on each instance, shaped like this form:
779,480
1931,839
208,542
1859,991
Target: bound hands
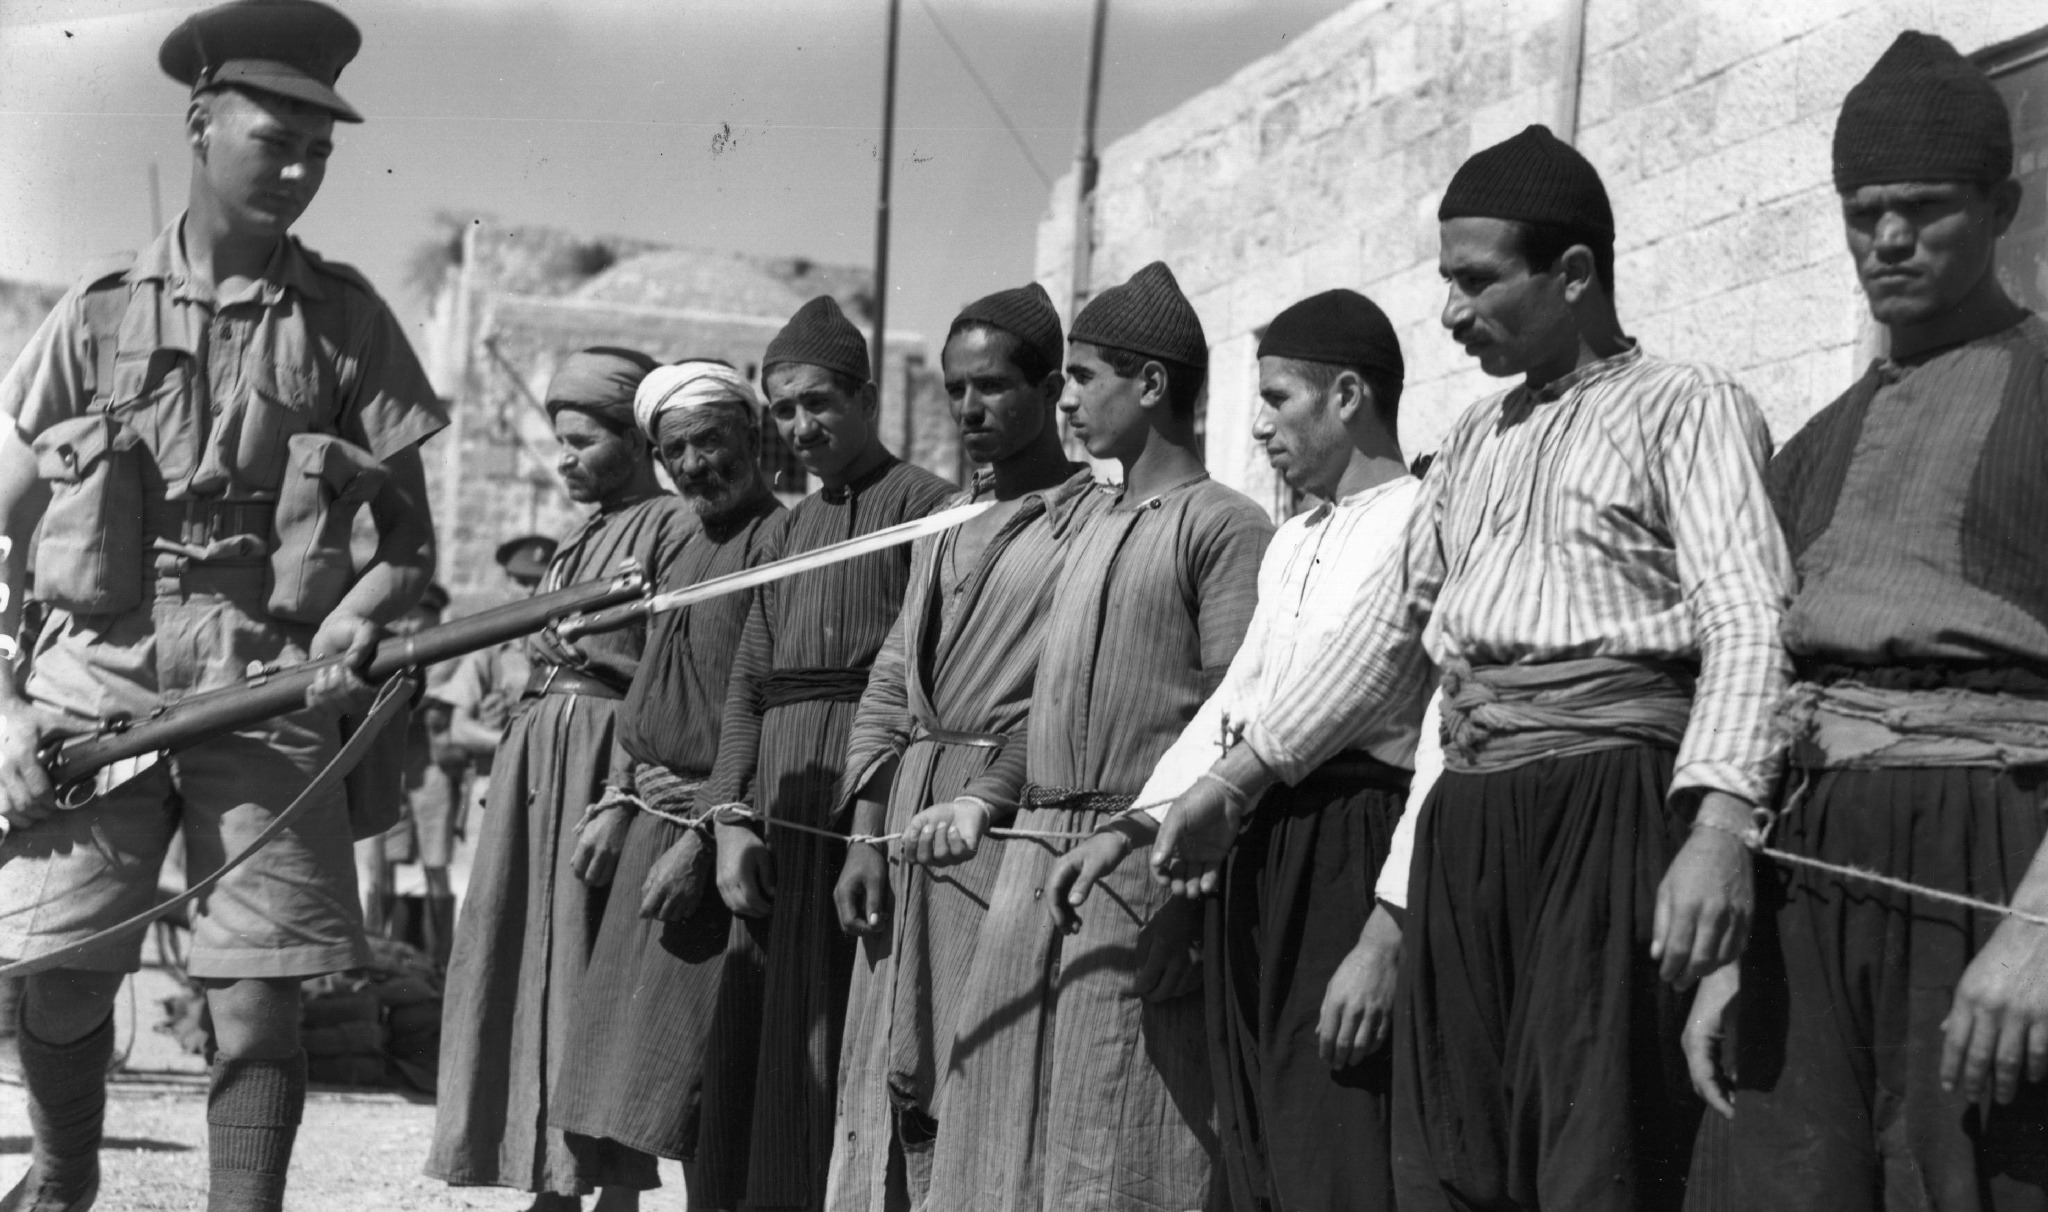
945,834
1358,1005
600,836
1997,1028
1196,836
746,871
1702,1039
1707,896
340,687
675,883
862,894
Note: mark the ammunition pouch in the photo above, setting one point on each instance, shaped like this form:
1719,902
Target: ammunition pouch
89,545
326,481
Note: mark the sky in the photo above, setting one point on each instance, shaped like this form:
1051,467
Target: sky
743,125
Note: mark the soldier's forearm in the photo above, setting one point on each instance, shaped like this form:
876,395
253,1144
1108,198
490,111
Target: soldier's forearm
404,563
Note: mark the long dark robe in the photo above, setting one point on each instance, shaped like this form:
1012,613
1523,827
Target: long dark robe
1536,1051
1297,889
769,1096
634,1069
527,924
959,662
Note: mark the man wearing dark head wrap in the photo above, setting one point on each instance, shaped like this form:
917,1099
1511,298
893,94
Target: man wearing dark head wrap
940,732
1594,566
539,884
1077,1076
1297,963
810,640
1891,1051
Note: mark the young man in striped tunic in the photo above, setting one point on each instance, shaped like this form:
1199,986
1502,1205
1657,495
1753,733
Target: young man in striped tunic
1594,565
633,1067
1297,964
1076,1076
799,673
1891,1050
943,722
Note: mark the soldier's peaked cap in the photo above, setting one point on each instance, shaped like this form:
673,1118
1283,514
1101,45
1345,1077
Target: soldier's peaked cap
288,48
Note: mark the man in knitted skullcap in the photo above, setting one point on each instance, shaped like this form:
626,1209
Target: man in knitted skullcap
1593,565
538,887
1297,963
1078,1078
941,727
171,434
1892,1050
803,660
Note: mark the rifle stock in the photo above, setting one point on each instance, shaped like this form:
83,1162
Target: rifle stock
271,691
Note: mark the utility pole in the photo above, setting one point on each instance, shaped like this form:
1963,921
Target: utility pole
882,202
1086,167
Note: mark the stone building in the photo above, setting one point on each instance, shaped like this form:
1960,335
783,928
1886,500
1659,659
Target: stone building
509,303
1322,165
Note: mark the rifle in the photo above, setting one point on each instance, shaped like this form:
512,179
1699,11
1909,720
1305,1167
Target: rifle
125,747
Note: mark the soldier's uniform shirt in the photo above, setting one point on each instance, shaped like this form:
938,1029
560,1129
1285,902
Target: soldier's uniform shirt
214,384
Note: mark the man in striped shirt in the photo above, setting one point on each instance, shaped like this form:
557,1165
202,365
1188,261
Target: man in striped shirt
1594,566
1892,1049
1077,1081
1298,968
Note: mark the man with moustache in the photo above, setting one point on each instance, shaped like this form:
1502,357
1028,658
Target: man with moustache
943,721
1298,964
633,1071
175,432
1594,565
534,903
801,667
1076,1077
1891,1050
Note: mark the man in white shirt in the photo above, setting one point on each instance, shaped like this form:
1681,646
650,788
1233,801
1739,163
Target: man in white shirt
1299,965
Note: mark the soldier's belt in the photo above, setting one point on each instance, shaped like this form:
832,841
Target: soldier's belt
560,679
200,522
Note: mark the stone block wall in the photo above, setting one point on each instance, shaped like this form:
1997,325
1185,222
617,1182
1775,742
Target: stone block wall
1322,165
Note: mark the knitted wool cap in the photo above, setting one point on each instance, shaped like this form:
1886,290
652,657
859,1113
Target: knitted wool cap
819,334
1027,314
1534,177
1146,315
1924,113
1336,328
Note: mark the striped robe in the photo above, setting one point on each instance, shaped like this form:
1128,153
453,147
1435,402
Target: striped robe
959,662
774,1047
1064,1090
528,924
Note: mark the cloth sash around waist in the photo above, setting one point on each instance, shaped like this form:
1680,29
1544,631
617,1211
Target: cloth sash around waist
1040,795
785,686
1353,771
561,679
1497,717
666,790
1869,720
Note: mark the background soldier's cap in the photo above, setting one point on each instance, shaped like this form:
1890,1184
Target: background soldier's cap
435,598
526,556
289,48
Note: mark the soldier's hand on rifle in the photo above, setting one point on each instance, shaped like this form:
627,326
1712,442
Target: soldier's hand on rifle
340,687
25,793
746,871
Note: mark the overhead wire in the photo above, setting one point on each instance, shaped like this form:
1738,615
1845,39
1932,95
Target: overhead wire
987,93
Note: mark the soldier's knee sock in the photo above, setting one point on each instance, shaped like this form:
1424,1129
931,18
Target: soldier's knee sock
252,1117
67,1103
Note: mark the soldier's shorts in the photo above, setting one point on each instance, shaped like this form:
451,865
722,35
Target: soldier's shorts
291,910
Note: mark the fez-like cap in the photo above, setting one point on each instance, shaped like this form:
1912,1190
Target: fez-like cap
289,48
1336,328
601,381
1026,313
1146,315
819,334
1534,177
1924,113
526,556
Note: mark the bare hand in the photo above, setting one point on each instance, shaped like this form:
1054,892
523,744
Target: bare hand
1702,1038
340,687
25,793
1998,1025
675,883
862,894
1358,1004
1074,876
598,841
944,835
746,871
1703,904
1196,836
1170,952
